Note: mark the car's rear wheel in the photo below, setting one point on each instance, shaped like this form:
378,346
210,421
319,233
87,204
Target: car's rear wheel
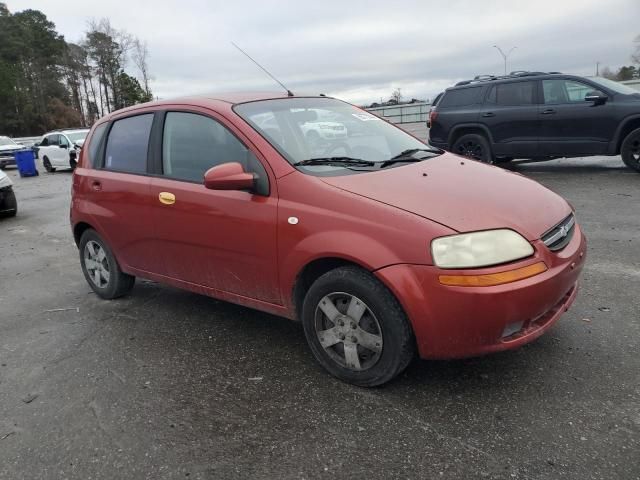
630,150
356,328
46,163
100,268
475,146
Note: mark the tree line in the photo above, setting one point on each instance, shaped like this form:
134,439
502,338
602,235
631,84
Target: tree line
47,82
626,72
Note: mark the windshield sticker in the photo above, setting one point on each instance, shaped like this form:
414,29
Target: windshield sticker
365,117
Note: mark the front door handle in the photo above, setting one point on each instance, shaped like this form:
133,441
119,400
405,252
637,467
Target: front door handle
548,111
489,114
167,198
96,185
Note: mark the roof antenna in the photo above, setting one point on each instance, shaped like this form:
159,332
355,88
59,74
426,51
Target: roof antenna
289,92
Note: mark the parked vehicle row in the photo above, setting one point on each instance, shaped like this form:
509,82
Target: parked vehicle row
538,115
366,238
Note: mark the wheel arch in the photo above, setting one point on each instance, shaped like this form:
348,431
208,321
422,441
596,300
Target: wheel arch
468,128
313,270
78,229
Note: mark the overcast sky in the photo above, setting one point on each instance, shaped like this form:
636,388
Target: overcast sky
359,51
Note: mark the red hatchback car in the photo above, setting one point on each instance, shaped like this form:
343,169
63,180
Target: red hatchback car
310,208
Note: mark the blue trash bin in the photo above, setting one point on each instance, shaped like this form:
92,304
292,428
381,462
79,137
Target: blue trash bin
26,161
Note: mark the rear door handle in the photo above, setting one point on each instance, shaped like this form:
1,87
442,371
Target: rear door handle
548,111
95,185
489,114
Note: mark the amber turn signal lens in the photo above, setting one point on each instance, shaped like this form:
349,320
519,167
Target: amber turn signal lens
491,279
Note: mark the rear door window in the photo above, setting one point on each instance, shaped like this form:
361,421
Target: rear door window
128,144
515,93
94,144
460,98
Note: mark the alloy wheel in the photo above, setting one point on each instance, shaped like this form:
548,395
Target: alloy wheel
96,263
471,149
348,331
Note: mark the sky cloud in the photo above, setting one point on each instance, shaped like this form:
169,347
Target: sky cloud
356,50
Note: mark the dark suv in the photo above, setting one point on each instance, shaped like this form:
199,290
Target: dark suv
539,116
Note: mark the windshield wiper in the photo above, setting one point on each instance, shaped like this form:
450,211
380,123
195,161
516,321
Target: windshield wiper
335,161
407,156
412,151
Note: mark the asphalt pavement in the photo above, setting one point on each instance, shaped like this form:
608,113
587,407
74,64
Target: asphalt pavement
168,384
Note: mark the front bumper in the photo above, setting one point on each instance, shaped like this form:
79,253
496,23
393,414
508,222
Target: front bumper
7,160
457,322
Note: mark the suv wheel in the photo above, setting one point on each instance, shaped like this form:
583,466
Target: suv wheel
630,150
473,146
356,328
100,268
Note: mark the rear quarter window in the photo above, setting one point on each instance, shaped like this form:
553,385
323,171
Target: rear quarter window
460,97
128,143
94,144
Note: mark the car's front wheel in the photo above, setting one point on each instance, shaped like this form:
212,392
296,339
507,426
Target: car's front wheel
101,269
356,328
630,150
475,146
10,207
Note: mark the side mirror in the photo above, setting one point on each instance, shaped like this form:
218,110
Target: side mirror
229,176
596,96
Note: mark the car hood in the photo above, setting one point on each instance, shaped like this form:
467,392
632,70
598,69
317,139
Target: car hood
462,194
10,148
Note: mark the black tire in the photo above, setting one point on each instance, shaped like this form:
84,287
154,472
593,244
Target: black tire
630,150
10,207
118,282
46,163
383,318
474,146
73,164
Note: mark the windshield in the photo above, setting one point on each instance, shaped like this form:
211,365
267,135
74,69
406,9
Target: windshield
615,86
309,131
77,136
6,141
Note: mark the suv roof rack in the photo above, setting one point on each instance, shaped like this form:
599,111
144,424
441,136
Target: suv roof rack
514,74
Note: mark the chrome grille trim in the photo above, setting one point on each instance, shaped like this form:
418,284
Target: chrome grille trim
559,236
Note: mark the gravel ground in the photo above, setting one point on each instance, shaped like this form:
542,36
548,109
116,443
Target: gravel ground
169,384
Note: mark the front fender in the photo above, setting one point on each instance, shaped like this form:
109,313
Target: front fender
353,247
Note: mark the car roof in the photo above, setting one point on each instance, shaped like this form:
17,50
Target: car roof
513,76
213,99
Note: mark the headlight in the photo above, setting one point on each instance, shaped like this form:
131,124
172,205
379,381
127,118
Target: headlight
479,249
5,182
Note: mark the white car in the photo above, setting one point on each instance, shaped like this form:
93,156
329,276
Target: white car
59,149
8,149
8,204
321,130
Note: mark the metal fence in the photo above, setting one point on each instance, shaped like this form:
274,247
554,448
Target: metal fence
408,113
